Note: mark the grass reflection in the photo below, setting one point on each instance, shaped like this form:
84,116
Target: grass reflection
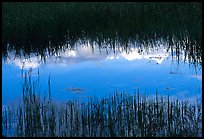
117,115
38,27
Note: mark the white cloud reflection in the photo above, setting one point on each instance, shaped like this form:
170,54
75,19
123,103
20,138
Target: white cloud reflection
25,63
158,56
198,77
93,53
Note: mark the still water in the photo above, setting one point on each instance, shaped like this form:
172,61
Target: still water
88,70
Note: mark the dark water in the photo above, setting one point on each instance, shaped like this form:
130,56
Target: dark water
95,58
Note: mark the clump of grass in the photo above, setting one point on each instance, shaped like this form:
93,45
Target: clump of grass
119,115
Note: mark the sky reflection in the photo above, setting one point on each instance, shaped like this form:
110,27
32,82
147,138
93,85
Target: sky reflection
102,72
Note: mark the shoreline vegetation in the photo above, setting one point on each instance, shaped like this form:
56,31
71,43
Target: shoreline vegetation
44,29
121,115
36,27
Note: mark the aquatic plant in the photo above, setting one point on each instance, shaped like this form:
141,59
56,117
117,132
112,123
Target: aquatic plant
35,27
121,115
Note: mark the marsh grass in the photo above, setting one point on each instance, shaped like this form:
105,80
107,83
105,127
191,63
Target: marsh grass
36,27
120,115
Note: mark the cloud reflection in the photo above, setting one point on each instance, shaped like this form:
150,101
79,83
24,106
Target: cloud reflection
89,52
198,77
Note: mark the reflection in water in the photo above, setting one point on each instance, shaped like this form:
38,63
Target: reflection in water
137,46
158,52
63,27
89,70
66,51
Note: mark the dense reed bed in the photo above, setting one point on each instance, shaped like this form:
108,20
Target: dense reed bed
35,27
121,115
88,17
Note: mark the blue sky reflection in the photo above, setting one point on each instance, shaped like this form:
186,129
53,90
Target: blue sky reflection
101,73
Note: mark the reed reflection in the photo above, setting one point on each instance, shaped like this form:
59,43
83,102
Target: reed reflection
26,31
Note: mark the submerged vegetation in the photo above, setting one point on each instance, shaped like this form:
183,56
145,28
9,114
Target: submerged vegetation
120,115
38,27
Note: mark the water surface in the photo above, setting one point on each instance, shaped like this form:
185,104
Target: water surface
102,72
96,49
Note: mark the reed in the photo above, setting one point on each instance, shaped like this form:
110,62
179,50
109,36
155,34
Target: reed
119,115
36,27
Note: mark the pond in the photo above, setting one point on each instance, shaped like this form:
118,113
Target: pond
99,72
151,55
77,51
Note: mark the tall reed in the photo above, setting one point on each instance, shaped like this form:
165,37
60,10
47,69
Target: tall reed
121,115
